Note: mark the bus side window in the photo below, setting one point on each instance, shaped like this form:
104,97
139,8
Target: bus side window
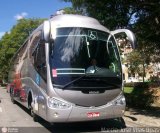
39,60
34,41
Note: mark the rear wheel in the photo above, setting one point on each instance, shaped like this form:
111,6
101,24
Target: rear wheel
12,95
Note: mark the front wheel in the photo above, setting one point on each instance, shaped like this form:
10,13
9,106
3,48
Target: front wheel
121,120
35,117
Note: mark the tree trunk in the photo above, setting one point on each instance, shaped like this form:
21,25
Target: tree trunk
143,71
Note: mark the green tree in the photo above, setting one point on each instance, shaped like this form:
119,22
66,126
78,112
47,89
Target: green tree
138,62
134,60
110,13
12,40
70,10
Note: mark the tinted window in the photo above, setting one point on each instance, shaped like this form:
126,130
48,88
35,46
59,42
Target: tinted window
39,59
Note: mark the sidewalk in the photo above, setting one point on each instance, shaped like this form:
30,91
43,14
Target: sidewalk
143,118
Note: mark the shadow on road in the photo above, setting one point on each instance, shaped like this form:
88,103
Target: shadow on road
152,111
132,118
93,126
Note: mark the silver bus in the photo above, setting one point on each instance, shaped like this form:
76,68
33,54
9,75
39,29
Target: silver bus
69,70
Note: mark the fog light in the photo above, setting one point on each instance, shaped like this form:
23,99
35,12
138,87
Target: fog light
55,115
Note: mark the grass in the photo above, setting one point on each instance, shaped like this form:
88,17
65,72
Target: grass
128,89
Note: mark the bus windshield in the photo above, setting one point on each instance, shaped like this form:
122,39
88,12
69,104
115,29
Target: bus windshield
84,52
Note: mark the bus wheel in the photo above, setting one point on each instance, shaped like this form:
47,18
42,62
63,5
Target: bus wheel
35,117
121,120
12,96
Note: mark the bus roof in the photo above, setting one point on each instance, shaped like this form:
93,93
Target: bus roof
70,20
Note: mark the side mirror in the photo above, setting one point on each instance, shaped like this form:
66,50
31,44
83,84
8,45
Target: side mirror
129,36
46,30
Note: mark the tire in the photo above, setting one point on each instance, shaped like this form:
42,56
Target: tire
121,120
35,117
12,96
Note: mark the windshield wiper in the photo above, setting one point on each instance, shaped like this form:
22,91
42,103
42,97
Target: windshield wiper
104,82
66,85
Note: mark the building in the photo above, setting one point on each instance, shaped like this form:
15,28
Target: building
153,69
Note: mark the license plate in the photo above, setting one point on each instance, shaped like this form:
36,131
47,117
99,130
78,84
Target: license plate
93,114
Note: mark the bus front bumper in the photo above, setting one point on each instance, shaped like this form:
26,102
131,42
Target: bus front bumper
77,113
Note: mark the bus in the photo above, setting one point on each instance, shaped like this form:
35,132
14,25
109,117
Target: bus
69,70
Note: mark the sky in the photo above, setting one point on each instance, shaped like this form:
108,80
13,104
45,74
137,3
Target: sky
13,10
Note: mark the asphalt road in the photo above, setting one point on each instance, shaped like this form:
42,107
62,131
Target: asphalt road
16,118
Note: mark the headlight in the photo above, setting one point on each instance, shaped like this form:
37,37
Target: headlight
57,104
120,101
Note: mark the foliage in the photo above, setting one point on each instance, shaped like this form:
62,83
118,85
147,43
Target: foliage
109,12
154,82
70,10
154,79
138,62
134,60
128,89
141,96
12,40
131,84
